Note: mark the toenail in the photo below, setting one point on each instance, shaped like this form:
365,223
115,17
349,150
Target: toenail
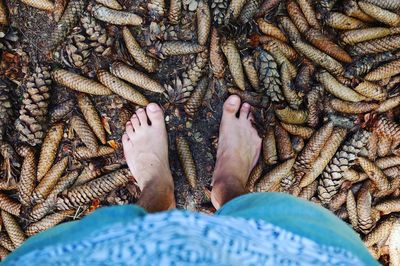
246,105
140,110
233,100
152,107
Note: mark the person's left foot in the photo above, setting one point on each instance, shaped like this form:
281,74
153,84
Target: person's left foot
145,146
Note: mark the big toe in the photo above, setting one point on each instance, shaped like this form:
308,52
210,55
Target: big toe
155,114
231,106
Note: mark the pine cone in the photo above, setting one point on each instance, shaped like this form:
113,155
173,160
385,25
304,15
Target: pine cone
49,181
5,108
288,181
179,91
96,35
61,110
27,180
219,8
8,37
40,210
10,162
3,15
386,128
196,68
82,129
364,209
187,161
248,11
332,177
3,253
32,115
13,229
269,76
88,173
182,88
314,106
9,205
67,22
97,188
381,232
6,242
84,153
48,222
43,208
76,51
196,99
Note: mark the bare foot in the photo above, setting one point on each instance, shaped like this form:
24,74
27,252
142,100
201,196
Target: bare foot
146,153
238,150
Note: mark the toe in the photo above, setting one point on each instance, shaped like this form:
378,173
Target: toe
125,141
135,122
155,114
142,117
244,111
231,105
129,130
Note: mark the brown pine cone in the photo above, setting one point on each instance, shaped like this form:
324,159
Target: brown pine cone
3,253
13,229
269,76
187,161
332,177
9,205
85,153
219,8
40,210
96,35
32,115
43,208
80,126
179,92
48,222
5,108
76,51
196,99
88,173
365,219
197,67
96,188
27,178
67,22
49,181
6,242
61,110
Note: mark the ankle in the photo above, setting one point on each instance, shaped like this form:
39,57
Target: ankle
157,195
163,179
225,188
224,175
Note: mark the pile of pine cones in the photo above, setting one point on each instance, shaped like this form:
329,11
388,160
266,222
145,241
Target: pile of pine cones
322,75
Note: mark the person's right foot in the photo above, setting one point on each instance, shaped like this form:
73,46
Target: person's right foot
238,150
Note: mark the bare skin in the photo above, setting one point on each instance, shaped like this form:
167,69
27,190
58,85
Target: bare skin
238,150
146,153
